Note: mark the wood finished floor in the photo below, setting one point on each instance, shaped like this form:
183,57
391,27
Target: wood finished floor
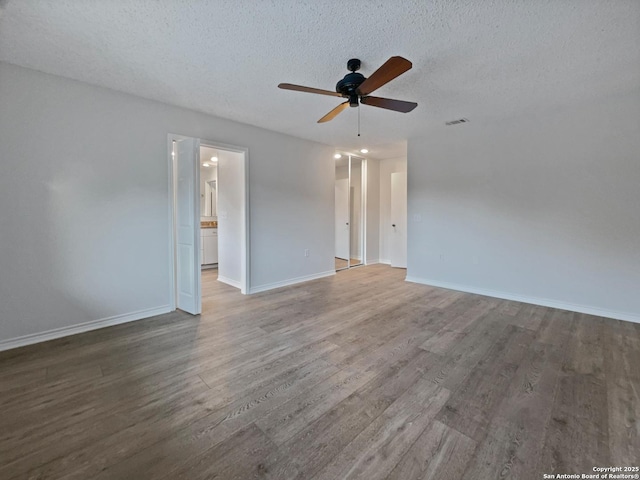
360,375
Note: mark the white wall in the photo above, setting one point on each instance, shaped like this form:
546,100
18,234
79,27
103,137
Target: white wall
387,167
543,208
292,210
84,203
231,194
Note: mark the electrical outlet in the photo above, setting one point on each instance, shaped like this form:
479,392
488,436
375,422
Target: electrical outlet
306,252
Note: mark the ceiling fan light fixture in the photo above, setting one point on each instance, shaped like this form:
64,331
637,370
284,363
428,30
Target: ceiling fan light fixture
356,88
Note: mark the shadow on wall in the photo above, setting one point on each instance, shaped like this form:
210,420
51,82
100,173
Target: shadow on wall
575,191
544,207
82,231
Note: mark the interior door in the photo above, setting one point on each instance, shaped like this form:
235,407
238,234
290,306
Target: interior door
356,223
398,225
187,170
342,220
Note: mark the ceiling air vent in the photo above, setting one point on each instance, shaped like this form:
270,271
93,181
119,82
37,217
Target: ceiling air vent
456,122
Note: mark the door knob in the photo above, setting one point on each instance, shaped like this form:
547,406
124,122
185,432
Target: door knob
347,223
393,225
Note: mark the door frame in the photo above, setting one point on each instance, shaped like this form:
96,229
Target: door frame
365,195
245,237
363,209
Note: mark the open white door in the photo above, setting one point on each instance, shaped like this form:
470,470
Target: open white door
187,218
398,225
342,218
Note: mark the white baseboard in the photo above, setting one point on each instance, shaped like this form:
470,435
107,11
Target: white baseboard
385,261
82,327
291,281
228,281
545,302
373,261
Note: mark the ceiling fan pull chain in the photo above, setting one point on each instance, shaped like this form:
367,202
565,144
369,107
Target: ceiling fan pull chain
358,120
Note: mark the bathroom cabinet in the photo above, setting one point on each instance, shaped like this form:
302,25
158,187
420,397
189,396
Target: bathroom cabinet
209,246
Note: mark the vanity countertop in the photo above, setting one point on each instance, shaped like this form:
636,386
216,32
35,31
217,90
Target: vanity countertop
211,224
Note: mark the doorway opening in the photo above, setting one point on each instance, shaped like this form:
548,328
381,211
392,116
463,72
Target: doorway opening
197,235
350,211
208,208
393,212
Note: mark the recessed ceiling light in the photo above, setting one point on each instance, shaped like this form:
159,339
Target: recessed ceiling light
364,150
337,155
214,159
206,165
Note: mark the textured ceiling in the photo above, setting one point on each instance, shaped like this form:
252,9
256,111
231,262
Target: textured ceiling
476,59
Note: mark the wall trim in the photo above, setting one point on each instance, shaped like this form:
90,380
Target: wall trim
228,281
545,302
385,261
82,327
291,281
372,261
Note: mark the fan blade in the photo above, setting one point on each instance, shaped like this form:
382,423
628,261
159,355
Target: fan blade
389,104
334,113
392,68
300,88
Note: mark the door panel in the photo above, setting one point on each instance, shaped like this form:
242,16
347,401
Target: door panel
210,249
342,218
398,225
356,222
187,223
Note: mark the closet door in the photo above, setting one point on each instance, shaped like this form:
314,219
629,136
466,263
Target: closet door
342,223
356,216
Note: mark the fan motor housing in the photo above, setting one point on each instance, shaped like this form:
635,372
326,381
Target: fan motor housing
348,86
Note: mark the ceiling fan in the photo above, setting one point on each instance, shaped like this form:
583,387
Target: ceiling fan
356,87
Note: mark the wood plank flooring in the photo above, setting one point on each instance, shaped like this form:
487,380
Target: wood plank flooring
360,375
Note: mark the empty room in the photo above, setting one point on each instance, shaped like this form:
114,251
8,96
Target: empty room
319,239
